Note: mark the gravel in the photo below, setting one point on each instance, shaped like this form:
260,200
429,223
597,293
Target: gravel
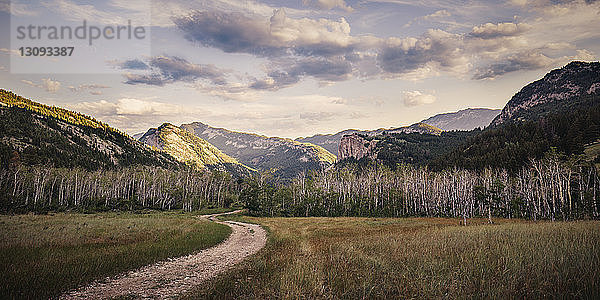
174,277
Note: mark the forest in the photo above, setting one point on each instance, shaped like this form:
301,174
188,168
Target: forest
554,187
42,189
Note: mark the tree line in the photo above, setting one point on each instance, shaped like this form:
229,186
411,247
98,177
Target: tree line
38,188
555,187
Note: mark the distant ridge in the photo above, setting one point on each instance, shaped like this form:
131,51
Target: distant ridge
286,157
466,119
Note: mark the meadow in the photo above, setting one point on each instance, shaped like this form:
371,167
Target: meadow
42,256
358,258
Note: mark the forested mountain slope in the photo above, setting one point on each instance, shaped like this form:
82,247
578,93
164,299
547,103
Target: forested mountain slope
36,134
570,87
192,150
560,111
285,156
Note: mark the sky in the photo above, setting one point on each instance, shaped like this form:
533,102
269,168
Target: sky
291,68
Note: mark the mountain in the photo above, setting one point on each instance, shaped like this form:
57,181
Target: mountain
574,85
466,119
514,144
36,134
191,150
331,142
560,112
287,157
137,136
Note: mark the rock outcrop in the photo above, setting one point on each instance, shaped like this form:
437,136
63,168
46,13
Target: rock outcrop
355,146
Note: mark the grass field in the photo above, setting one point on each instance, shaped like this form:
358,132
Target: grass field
44,255
356,258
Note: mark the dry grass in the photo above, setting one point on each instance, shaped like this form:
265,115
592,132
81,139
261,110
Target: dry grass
355,258
44,255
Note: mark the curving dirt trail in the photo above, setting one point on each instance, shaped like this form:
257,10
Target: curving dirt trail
177,276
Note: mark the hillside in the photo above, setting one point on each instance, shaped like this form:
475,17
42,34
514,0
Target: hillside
514,144
574,85
36,134
331,142
466,119
191,150
560,111
287,157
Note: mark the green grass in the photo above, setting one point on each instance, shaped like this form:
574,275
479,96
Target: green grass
354,258
42,256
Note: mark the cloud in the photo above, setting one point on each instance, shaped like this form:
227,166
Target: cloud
317,116
289,72
415,98
170,69
329,4
133,64
237,33
17,9
152,79
10,51
112,13
437,15
435,49
94,89
49,85
522,61
489,30
129,107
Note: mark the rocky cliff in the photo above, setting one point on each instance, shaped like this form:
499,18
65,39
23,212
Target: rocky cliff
331,142
355,146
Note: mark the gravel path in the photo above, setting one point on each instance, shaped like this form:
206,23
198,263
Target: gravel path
177,276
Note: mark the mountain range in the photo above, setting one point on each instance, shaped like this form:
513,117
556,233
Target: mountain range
467,119
575,85
285,157
560,111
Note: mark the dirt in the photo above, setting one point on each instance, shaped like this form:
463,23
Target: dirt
174,277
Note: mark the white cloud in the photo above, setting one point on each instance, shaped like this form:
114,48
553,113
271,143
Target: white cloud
50,85
130,107
47,84
490,30
329,4
17,9
415,98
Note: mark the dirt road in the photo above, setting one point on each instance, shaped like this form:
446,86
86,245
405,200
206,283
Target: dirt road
176,276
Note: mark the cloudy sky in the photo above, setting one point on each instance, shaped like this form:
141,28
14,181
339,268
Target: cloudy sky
295,68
